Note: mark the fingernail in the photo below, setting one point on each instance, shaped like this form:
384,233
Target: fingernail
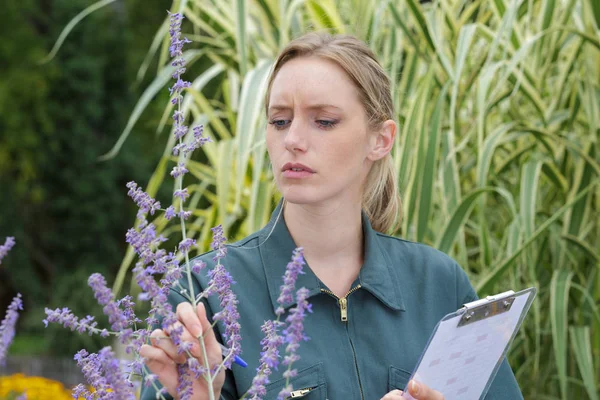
414,388
196,330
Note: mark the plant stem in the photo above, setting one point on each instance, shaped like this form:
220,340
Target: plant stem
208,376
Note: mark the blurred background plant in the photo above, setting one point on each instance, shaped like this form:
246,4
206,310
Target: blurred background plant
497,155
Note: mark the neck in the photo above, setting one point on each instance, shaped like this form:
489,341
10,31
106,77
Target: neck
331,235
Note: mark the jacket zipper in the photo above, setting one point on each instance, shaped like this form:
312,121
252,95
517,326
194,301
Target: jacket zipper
300,393
343,302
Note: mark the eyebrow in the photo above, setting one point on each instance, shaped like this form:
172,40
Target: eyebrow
311,107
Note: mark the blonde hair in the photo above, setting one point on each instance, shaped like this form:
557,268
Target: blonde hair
381,199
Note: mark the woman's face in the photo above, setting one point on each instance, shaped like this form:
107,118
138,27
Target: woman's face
317,136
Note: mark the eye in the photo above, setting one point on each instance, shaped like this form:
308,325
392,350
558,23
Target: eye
326,124
279,123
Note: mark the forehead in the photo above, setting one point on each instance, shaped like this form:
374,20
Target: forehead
313,80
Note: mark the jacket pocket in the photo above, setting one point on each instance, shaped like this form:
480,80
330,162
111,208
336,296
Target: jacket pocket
398,378
309,384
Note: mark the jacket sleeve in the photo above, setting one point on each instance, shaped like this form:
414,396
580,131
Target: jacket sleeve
229,391
504,385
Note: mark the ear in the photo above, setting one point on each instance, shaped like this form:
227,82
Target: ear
383,140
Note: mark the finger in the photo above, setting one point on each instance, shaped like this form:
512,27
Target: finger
213,347
195,324
423,392
160,339
393,395
189,319
160,364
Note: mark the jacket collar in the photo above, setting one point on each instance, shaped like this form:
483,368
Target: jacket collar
375,275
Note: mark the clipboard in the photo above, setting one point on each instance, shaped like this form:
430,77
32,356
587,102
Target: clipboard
467,347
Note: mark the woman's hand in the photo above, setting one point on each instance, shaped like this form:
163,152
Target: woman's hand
417,391
162,358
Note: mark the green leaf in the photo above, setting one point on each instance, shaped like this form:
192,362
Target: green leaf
72,24
582,347
253,87
486,282
459,217
559,308
429,167
158,83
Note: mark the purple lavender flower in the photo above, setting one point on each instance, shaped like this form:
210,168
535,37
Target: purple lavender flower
199,139
294,333
170,213
179,86
67,319
5,248
293,269
184,385
220,283
7,327
285,392
177,43
179,170
103,371
184,214
142,199
119,319
186,244
198,266
182,194
218,243
196,368
269,359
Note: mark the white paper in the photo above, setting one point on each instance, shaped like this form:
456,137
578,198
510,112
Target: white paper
459,360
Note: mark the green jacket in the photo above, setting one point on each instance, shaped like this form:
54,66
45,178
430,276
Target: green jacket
361,346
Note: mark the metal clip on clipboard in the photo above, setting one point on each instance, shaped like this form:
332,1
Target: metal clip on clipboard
490,306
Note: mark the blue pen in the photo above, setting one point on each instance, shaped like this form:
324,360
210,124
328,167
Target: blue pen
236,359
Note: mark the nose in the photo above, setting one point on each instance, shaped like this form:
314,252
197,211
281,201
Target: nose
295,137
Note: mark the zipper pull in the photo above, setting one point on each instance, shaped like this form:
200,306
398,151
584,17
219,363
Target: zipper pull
344,309
299,393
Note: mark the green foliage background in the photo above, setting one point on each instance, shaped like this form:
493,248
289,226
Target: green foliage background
68,212
499,110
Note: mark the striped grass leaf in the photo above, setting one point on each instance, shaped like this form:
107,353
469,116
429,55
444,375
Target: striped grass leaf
414,188
400,21
435,23
425,199
241,17
224,167
528,195
490,278
583,246
582,348
324,14
460,215
253,88
465,38
559,308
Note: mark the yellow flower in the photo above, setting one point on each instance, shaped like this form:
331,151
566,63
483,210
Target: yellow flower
37,388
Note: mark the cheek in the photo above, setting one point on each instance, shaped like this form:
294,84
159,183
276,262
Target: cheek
351,149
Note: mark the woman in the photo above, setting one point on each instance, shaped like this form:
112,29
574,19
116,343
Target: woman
375,298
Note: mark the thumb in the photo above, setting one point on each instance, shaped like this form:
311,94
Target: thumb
421,391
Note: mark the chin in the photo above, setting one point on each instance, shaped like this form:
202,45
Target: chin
297,195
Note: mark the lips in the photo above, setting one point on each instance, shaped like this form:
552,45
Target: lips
296,171
296,167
